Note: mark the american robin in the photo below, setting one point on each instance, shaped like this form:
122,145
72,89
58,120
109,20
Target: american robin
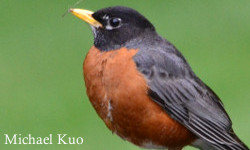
145,91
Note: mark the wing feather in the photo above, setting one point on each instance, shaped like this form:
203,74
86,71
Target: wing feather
174,86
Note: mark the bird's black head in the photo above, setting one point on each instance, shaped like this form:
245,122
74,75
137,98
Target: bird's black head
114,26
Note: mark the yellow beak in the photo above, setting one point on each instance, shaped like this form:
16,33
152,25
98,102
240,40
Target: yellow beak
85,15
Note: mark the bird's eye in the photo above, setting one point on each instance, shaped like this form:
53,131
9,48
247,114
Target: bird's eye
114,22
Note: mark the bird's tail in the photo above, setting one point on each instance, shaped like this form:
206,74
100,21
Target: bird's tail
238,145
235,144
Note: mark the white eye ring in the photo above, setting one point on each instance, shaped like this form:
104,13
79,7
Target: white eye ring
113,23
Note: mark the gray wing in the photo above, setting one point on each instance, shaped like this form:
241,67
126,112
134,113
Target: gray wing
174,86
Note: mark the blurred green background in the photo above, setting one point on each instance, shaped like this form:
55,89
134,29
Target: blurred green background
41,85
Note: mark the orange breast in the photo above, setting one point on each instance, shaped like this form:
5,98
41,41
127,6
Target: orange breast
118,92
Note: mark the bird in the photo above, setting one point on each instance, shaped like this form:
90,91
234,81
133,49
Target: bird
145,91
